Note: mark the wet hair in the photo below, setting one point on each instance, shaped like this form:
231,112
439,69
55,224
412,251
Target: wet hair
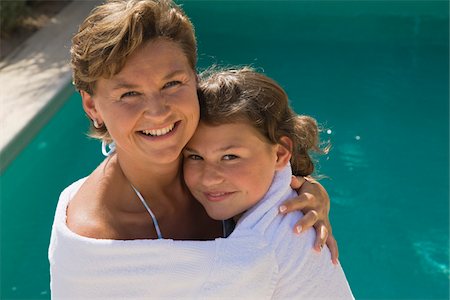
244,95
115,29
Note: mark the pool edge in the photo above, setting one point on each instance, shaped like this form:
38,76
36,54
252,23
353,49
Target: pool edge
22,138
36,80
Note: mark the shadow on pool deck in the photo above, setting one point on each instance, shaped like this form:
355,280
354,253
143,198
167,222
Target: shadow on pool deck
35,80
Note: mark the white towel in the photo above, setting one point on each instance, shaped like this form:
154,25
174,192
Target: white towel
83,268
255,262
303,272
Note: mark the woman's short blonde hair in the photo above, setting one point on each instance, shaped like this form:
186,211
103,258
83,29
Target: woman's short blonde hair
115,29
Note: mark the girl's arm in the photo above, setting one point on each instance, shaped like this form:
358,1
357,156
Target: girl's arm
314,202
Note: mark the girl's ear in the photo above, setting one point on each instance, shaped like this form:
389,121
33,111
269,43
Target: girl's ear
284,152
90,107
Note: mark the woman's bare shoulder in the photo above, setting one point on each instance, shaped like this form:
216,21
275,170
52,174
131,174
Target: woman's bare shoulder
88,211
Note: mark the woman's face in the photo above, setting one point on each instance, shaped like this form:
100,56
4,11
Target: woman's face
150,107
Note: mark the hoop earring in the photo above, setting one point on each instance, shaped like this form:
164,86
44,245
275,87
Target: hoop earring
111,146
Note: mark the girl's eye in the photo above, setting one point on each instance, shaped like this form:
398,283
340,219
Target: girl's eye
194,157
171,84
230,157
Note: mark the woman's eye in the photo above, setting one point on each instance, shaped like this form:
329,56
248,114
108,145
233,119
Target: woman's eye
129,94
171,84
230,157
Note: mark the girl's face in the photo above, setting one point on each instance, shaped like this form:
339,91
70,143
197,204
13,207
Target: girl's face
229,167
150,107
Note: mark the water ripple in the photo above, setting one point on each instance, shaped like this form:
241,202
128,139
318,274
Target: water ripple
431,254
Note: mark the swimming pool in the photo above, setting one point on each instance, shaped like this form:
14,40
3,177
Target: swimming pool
375,73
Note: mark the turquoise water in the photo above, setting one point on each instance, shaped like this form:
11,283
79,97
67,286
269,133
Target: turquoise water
375,74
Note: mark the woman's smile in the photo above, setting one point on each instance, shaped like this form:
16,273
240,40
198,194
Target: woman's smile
161,132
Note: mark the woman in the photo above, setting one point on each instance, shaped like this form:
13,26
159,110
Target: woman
134,65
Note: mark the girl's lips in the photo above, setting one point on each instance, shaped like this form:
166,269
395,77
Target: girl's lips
217,196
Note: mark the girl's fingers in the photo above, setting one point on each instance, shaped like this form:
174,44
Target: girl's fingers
306,222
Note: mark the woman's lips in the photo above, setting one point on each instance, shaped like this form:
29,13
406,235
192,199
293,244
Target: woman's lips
161,133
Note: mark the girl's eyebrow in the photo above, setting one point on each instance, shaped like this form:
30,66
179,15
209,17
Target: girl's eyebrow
226,148
189,150
223,149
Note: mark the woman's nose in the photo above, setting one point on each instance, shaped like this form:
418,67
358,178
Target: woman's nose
156,106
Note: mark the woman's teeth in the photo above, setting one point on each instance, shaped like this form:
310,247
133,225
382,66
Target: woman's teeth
159,132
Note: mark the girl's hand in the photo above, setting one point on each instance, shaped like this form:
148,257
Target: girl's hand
314,202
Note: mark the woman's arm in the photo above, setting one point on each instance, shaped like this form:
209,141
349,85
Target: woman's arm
314,202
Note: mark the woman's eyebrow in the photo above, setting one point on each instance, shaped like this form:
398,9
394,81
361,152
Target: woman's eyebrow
120,84
123,85
175,73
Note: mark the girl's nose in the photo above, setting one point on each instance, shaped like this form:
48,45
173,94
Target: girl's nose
211,176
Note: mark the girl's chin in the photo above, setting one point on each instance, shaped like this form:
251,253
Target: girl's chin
219,216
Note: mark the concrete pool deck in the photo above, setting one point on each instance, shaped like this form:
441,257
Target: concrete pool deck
34,80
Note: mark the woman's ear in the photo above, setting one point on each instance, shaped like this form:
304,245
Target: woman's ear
284,152
90,107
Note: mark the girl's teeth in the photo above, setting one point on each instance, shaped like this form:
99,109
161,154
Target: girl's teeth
217,194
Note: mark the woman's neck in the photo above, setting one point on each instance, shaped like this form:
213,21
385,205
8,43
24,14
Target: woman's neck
157,182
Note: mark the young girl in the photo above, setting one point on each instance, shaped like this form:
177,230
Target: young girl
239,165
